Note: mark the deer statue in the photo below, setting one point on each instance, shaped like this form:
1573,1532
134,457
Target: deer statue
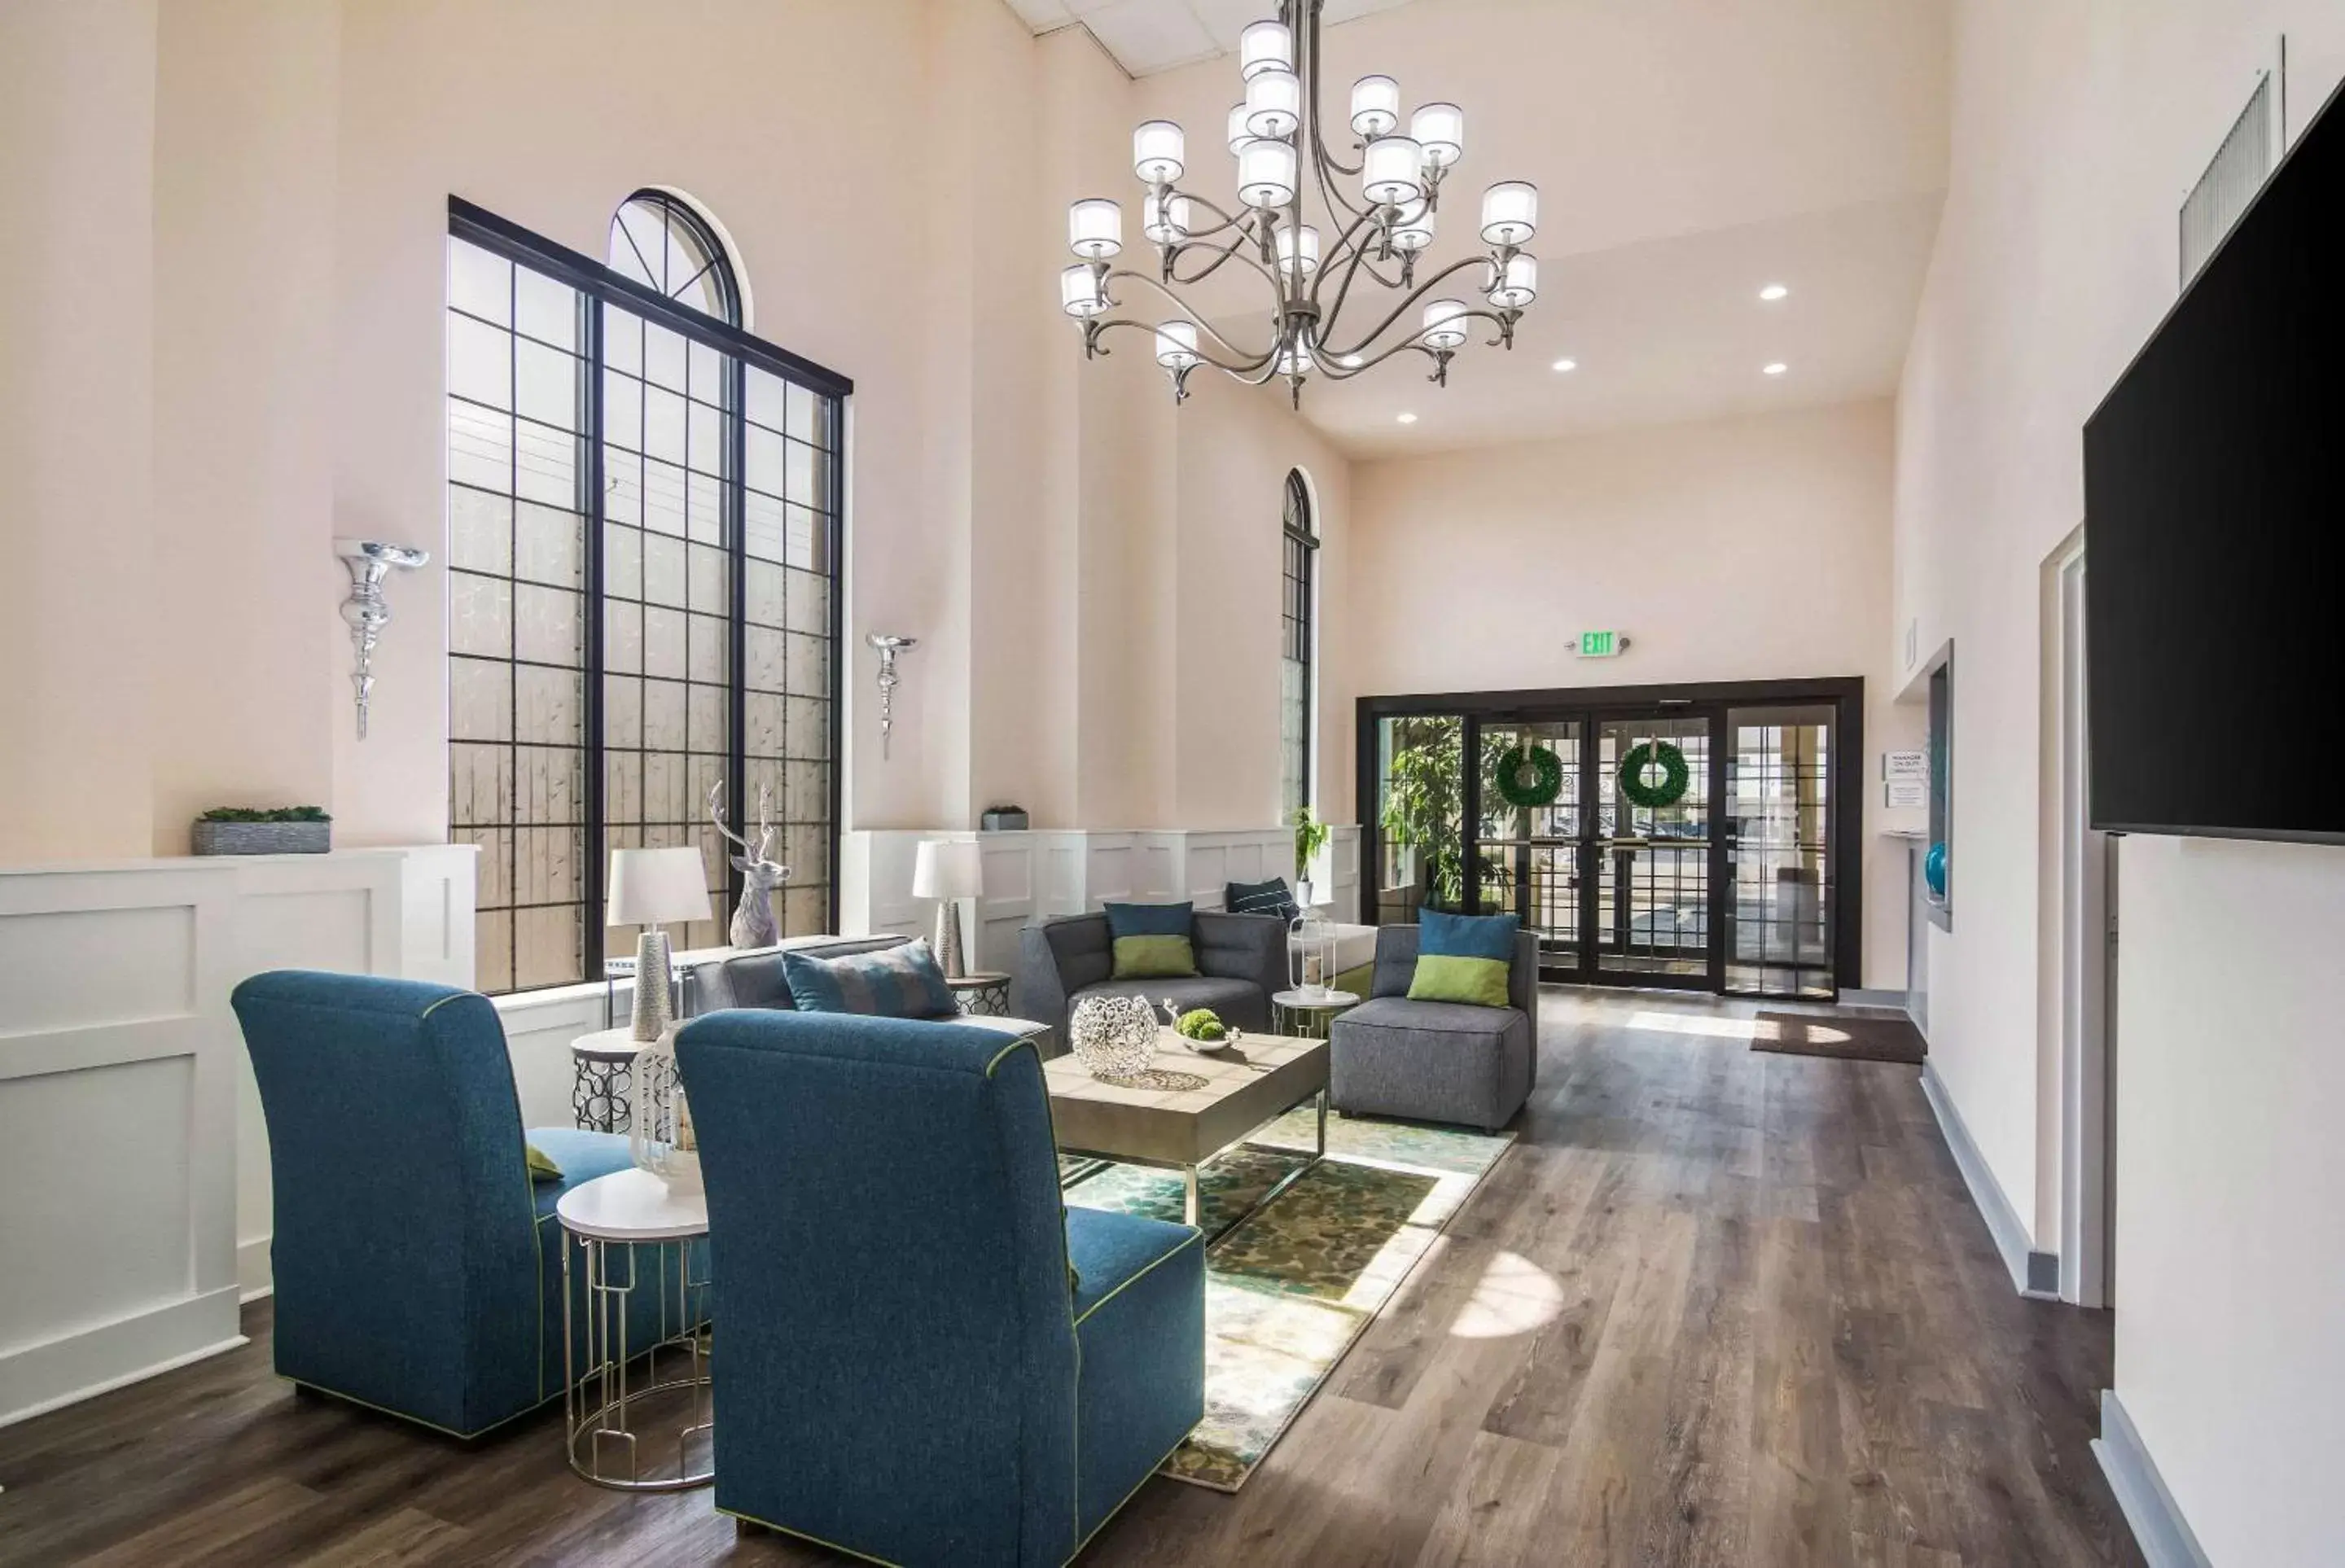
754,922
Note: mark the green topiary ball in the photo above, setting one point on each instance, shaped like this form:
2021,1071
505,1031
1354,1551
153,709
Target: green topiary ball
1200,1024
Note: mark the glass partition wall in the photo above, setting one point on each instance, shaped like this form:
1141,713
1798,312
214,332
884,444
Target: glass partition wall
1710,865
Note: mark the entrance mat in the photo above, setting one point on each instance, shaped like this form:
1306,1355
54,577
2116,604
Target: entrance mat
1860,1039
1288,1291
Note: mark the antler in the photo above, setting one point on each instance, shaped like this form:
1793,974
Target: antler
764,826
716,816
765,822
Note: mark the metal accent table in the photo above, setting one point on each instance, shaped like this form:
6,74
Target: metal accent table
602,1075
981,993
604,1221
1307,1014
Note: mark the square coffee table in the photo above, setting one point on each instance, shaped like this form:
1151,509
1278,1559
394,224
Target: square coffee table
1252,1084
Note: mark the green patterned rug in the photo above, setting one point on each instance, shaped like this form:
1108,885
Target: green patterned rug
1290,1289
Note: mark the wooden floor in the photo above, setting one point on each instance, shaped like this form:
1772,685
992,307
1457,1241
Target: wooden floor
1718,1307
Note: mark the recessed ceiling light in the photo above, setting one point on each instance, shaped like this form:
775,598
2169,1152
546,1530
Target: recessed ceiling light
1408,418
1772,293
1777,368
1564,365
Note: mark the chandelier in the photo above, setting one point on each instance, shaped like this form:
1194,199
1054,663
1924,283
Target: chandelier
1380,208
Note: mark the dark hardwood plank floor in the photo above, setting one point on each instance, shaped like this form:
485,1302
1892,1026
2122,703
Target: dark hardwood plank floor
1718,1308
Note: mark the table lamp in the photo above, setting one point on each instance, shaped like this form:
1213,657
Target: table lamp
948,870
650,888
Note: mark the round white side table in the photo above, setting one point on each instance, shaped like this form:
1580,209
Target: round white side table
1307,1013
612,1223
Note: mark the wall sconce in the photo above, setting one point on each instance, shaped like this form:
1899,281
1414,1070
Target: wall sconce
366,610
889,648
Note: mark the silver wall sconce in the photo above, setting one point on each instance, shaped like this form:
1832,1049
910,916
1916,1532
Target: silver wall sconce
366,610
889,648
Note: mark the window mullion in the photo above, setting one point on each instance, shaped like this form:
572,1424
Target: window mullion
594,833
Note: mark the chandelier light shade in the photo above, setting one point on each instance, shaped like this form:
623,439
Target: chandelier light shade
1376,107
1440,130
1095,229
1377,189
1157,150
1510,213
1265,46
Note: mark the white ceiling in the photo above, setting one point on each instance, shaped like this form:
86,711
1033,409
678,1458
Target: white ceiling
1151,36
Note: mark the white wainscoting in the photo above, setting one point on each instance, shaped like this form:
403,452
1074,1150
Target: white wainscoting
1035,875
134,1162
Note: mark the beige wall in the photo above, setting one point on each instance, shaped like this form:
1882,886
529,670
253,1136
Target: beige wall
1744,551
2077,126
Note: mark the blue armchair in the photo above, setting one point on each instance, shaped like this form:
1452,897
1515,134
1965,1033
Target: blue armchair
418,1268
906,1373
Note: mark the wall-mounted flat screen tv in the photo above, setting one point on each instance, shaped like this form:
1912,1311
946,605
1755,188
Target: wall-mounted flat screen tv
2215,535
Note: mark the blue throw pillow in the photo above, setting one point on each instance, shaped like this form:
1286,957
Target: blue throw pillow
1463,958
1269,897
1150,941
900,982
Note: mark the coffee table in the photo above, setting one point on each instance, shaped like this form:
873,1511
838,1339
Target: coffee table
1135,1122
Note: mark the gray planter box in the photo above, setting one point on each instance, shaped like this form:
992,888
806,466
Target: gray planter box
263,837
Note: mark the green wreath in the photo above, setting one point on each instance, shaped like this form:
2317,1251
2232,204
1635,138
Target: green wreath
1645,754
1529,776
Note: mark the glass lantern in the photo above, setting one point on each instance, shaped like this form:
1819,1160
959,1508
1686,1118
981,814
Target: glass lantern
1310,952
660,1136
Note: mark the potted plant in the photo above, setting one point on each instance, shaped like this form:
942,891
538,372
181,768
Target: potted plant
1310,838
256,830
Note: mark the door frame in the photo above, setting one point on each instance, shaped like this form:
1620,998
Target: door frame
1844,778
2086,972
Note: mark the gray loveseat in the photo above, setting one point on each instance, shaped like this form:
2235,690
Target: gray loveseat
1435,1061
1241,961
758,978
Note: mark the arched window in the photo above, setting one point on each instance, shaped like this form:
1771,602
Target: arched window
643,537
1295,696
661,243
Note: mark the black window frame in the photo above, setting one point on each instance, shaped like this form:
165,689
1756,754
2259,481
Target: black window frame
1298,620
600,284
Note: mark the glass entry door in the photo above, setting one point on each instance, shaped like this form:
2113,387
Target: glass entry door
1529,856
1779,924
1649,866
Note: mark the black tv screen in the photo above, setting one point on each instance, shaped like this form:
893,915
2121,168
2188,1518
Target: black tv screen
2215,535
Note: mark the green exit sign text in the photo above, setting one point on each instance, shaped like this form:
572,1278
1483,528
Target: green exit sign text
1603,645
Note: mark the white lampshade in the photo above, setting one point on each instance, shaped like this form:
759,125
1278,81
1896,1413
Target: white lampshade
1519,286
948,868
1079,292
656,888
1164,221
1440,130
1375,106
1309,251
1095,229
1158,151
1239,135
1274,103
1445,324
1176,345
1413,229
1510,212
1394,171
1267,173
1265,46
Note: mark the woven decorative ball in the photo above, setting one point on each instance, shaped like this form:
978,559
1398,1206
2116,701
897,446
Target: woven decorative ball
1112,1037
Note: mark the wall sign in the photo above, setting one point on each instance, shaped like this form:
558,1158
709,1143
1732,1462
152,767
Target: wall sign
1905,795
1603,645
1905,765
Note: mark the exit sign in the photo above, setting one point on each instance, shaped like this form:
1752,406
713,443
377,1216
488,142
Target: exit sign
1603,645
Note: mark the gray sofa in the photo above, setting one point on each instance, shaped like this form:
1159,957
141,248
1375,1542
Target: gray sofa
1435,1061
1241,961
759,978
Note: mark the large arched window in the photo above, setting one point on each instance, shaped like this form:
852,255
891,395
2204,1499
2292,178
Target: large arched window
644,538
1295,696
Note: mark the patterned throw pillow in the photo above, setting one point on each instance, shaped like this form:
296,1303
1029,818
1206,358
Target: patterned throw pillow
1150,941
1463,958
900,982
1269,897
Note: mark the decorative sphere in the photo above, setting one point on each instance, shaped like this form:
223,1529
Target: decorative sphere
1114,1036
1934,870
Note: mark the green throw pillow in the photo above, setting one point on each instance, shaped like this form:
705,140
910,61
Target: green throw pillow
1448,977
540,1165
1153,958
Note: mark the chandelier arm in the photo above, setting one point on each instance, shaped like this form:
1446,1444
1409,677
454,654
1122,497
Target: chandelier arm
1345,373
1239,222
1417,294
1250,363
1197,317
1221,253
1322,157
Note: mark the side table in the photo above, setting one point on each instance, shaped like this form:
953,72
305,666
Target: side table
612,1223
984,994
1307,1014
602,1080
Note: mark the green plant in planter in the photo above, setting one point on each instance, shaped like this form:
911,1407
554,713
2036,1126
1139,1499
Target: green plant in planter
1424,802
265,814
1310,838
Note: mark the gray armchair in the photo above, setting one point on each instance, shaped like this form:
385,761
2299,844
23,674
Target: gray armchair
1241,961
1435,1061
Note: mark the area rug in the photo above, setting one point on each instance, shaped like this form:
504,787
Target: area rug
1288,1291
1852,1039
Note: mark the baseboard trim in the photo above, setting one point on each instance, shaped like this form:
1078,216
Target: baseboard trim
1857,997
2033,1273
57,1373
2158,1528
